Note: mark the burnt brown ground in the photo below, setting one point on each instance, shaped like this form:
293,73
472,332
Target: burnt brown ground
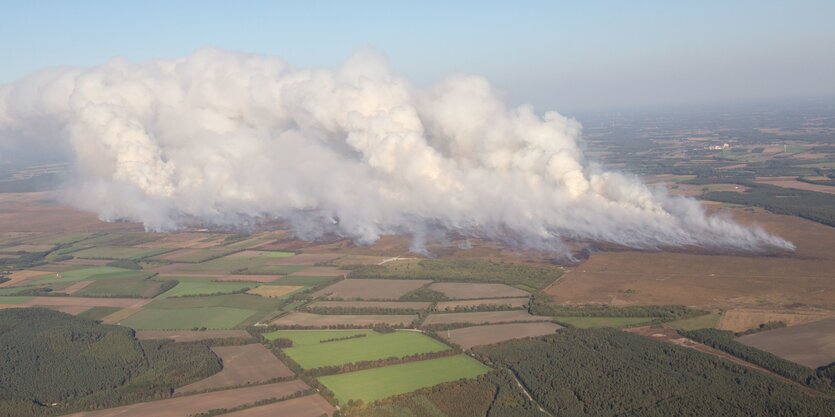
309,406
805,278
200,403
469,337
466,291
370,289
247,364
42,212
190,335
483,317
325,320
810,344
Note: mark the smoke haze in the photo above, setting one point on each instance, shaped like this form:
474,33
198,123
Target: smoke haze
225,139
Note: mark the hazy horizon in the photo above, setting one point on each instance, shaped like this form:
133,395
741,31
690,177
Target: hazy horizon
567,57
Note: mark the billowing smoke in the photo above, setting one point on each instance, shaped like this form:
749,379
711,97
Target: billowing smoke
224,139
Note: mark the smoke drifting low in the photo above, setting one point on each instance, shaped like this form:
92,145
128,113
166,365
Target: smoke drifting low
224,139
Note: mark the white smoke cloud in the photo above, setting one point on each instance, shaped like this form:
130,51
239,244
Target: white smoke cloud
223,138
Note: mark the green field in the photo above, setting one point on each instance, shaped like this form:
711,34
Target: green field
310,353
10,299
98,313
590,322
374,384
125,287
261,305
95,273
185,288
257,263
185,319
118,252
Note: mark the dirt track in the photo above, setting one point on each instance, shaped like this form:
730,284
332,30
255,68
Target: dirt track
309,406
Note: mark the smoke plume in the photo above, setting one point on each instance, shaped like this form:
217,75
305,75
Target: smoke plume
224,139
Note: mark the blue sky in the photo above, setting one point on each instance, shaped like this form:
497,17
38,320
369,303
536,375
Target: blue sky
556,54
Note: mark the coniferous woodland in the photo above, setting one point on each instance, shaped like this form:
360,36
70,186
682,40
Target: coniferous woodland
823,379
606,372
54,363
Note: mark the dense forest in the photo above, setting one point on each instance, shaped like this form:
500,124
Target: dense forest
724,341
527,277
54,363
606,372
492,395
818,207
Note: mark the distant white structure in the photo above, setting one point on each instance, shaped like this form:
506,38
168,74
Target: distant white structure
721,147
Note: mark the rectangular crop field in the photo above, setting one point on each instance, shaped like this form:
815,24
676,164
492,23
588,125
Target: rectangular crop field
809,344
119,252
188,288
377,383
275,291
384,305
372,346
325,320
370,289
469,337
94,273
188,318
467,291
246,364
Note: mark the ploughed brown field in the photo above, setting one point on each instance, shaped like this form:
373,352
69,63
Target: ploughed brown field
247,364
491,302
741,319
325,320
309,406
469,337
200,403
483,317
465,291
19,277
190,335
370,289
810,344
393,305
83,302
804,278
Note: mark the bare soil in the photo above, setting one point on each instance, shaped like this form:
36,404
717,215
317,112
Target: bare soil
247,364
200,403
466,291
309,406
469,337
370,289
810,344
